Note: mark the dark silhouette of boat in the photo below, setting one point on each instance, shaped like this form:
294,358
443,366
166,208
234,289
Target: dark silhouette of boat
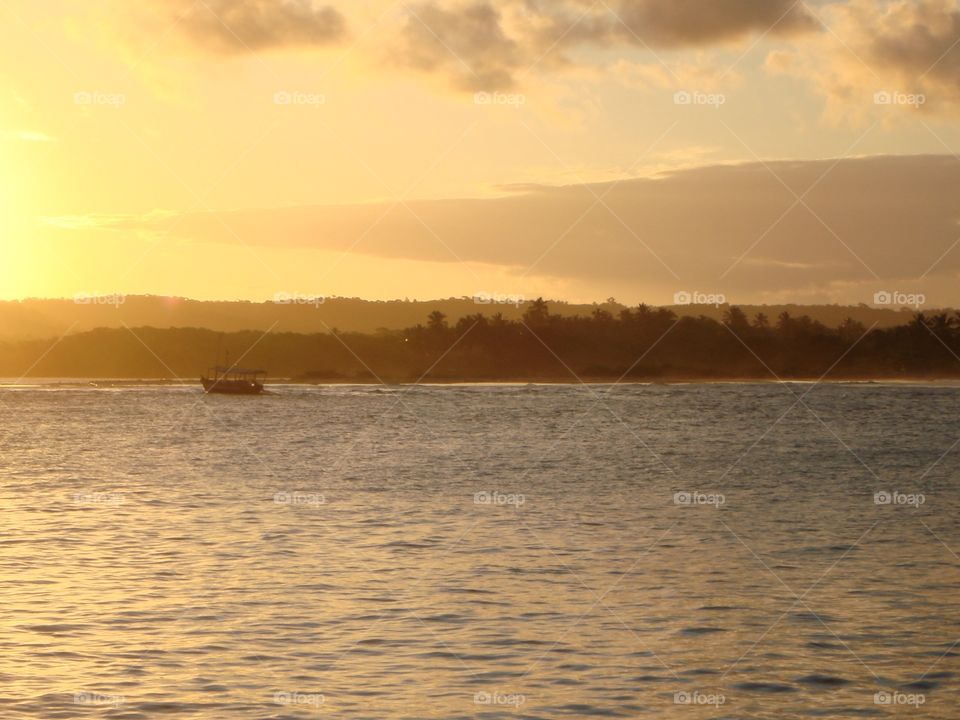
234,381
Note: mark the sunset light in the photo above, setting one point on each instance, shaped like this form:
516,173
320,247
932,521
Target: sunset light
479,359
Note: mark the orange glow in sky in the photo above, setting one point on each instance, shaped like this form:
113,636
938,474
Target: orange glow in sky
216,151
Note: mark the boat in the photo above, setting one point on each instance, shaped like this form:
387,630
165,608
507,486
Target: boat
233,381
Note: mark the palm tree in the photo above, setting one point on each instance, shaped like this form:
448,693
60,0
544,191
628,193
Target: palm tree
538,313
437,321
851,330
941,324
735,319
784,322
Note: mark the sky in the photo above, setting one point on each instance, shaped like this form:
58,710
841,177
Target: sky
767,150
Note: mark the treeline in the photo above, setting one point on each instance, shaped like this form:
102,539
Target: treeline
635,344
38,319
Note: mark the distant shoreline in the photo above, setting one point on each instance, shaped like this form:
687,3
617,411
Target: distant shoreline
641,345
397,382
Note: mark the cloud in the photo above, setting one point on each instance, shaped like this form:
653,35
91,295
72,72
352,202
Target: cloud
486,44
919,40
873,223
237,26
898,48
468,44
685,23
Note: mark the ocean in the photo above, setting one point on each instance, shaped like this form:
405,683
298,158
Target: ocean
501,551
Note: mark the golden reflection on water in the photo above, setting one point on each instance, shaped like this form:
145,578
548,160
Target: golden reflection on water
155,564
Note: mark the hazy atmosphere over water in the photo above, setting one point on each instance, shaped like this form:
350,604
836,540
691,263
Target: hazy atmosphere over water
479,359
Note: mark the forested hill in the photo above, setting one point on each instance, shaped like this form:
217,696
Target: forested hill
41,319
634,344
